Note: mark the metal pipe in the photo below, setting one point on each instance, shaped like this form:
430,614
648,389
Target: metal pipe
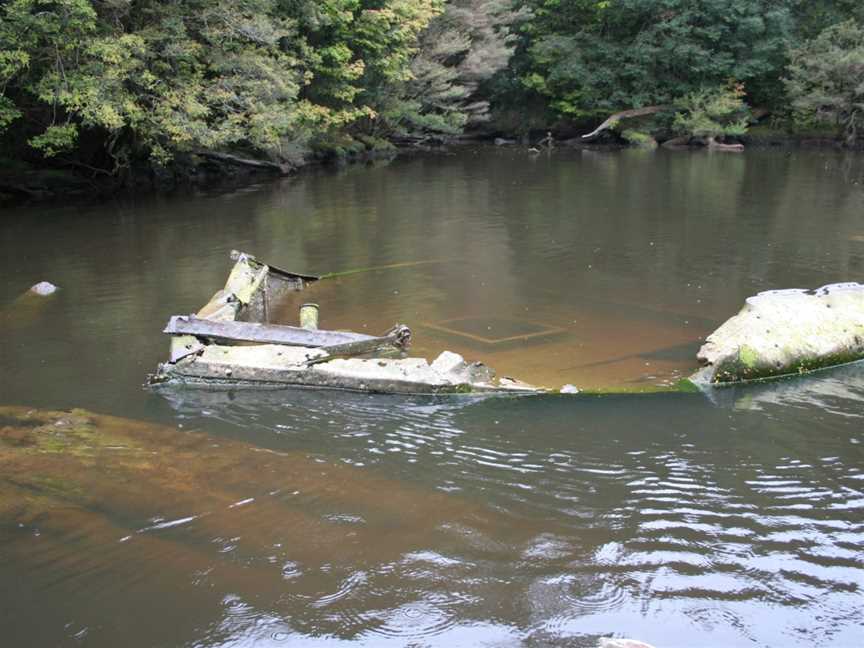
309,317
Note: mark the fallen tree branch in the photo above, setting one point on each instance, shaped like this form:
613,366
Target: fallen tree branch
625,114
714,145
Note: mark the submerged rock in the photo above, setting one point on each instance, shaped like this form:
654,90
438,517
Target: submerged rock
783,332
44,288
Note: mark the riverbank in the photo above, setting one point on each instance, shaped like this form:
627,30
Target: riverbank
23,182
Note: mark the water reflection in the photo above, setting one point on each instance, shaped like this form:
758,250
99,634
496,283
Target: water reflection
831,390
677,515
304,516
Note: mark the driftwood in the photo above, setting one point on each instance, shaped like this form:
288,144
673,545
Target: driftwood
282,169
625,114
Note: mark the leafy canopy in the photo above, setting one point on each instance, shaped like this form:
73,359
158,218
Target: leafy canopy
712,112
826,78
593,57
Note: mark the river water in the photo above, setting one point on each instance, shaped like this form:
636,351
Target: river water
305,518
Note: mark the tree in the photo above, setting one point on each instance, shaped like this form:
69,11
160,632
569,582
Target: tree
459,50
712,112
592,58
150,77
812,16
826,79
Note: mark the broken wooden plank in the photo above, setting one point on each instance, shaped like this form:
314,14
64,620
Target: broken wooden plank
260,333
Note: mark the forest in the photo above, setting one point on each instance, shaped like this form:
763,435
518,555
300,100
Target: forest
112,86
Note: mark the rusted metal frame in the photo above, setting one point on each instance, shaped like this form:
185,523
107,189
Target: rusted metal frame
397,338
236,255
259,333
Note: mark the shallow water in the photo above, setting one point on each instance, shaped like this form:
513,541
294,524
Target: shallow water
676,519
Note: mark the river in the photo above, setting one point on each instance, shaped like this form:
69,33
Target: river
306,518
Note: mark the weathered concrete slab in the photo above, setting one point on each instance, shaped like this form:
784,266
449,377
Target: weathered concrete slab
284,365
784,332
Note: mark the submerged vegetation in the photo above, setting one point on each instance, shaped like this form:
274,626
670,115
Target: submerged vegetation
130,484
111,86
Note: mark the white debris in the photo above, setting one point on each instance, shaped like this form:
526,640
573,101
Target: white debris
44,288
448,362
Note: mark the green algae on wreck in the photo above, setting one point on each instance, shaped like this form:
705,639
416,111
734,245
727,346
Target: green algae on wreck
682,386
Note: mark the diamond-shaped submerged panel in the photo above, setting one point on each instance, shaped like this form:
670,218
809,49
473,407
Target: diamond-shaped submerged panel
493,330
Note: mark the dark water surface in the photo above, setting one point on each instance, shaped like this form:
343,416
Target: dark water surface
305,518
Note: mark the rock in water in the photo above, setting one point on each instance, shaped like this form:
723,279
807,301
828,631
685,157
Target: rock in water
783,332
44,288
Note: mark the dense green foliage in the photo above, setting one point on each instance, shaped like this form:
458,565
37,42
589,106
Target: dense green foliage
826,78
712,112
113,82
161,76
596,57
156,78
587,58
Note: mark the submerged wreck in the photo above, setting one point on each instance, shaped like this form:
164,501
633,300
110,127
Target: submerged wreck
238,339
231,341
